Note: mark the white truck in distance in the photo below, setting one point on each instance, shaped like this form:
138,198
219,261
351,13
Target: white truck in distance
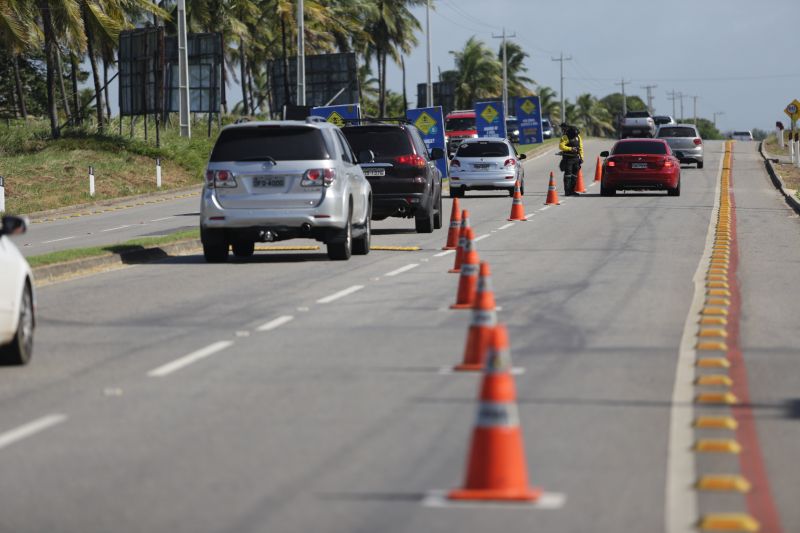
637,124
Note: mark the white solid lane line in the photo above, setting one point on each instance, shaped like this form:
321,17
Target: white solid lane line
544,208
58,240
162,218
506,226
442,254
401,270
187,360
476,239
276,323
118,227
341,294
31,428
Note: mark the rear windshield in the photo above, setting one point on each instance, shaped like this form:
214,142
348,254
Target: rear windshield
637,114
483,149
384,141
662,120
635,147
280,143
744,133
677,132
459,124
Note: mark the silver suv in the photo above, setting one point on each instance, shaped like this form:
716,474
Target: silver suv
272,181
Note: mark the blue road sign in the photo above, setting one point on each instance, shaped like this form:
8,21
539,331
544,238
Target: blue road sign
490,119
337,114
430,122
529,117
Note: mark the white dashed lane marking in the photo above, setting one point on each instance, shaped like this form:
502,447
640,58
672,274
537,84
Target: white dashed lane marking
58,240
187,360
118,227
401,270
31,428
341,294
275,323
506,226
442,254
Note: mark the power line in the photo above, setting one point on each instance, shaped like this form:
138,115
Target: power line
505,68
467,16
561,60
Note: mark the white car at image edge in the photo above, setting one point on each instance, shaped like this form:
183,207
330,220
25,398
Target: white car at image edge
17,304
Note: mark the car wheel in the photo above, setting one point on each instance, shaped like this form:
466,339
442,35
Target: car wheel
676,191
361,244
511,192
215,252
342,248
522,187
437,217
243,248
607,191
700,164
424,223
20,349
456,192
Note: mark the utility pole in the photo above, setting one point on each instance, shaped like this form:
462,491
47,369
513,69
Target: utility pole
649,89
623,83
505,68
674,97
301,55
561,59
715,113
695,97
681,96
429,86
183,73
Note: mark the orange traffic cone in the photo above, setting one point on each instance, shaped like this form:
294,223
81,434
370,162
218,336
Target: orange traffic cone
517,208
552,193
496,468
484,320
468,280
598,170
462,236
455,227
580,187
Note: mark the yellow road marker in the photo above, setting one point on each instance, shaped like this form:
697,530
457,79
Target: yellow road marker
717,446
714,321
718,301
728,522
718,292
717,398
715,422
285,248
713,362
716,277
723,482
396,248
712,347
717,285
714,311
717,270
714,380
713,332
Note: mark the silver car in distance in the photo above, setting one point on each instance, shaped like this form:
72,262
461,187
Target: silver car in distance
485,164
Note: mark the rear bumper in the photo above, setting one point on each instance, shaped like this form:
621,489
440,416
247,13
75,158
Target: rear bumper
401,205
637,131
640,181
484,180
692,155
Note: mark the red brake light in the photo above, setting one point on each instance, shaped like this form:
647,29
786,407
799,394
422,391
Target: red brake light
667,163
412,160
698,141
317,177
455,163
510,162
611,164
220,178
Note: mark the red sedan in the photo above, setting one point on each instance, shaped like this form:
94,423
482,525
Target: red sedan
641,164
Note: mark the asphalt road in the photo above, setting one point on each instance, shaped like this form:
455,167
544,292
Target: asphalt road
179,396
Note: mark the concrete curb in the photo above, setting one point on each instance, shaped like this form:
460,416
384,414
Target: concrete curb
792,200
62,271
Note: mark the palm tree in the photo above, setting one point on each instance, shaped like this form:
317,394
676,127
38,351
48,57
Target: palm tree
479,73
18,31
515,58
592,116
549,104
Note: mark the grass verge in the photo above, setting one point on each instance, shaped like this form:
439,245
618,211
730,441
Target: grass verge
64,256
790,174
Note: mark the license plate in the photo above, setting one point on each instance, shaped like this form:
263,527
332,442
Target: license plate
263,181
374,172
481,166
638,165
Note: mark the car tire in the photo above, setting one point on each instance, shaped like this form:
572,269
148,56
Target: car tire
342,248
456,192
424,223
361,244
676,191
522,187
607,191
437,217
215,252
20,349
243,248
700,165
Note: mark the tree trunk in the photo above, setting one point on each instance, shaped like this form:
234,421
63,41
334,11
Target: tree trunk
380,79
250,87
95,73
285,59
62,87
105,86
405,96
243,77
76,103
383,84
49,52
20,94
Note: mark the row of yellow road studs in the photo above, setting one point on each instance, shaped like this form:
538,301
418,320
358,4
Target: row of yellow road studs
713,382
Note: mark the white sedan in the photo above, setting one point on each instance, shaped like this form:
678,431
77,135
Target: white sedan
486,163
16,297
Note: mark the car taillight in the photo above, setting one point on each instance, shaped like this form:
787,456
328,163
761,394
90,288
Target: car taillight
317,177
667,163
220,179
411,160
698,141
510,162
611,164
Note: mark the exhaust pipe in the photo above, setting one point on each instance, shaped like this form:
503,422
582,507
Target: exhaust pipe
306,227
401,210
266,235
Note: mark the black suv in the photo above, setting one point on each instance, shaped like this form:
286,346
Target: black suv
404,178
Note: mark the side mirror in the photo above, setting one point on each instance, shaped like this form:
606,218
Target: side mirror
604,153
13,225
522,156
437,153
366,156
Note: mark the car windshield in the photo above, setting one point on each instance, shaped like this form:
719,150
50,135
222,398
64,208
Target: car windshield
270,143
460,124
384,141
662,120
637,114
742,133
483,149
677,132
640,147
